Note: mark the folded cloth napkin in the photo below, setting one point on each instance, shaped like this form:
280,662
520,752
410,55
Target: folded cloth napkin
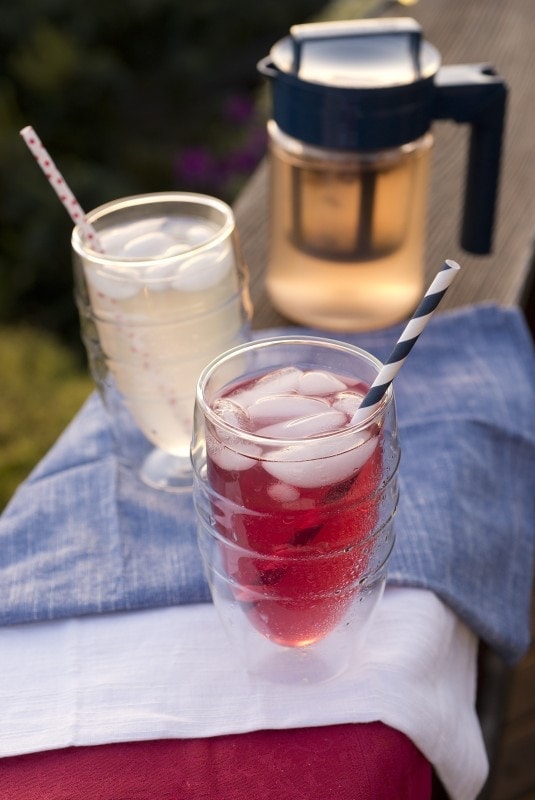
170,673
83,535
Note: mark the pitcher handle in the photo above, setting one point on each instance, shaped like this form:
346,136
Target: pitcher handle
475,94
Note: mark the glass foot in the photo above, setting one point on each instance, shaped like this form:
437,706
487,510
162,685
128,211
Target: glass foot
167,472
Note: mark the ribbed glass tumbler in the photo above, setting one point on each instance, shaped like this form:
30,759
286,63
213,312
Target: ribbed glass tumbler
295,503
167,295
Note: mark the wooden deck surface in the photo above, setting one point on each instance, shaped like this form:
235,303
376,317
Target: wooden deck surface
500,32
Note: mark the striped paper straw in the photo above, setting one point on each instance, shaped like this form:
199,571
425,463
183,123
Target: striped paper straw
60,186
407,340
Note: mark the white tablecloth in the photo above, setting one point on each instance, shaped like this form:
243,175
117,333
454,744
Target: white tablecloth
170,673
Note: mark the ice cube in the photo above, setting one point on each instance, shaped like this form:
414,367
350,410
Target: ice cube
177,228
148,245
158,276
232,414
283,493
226,458
283,407
114,287
274,383
318,383
296,467
200,233
114,240
303,427
204,269
239,447
177,250
348,402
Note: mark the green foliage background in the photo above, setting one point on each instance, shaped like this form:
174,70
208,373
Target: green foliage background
42,386
117,90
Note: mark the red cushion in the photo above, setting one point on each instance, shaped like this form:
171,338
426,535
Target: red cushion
343,762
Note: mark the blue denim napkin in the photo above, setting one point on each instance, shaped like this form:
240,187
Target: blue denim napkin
82,535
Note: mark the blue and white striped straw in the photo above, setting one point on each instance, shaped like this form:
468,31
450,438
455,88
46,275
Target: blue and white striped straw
407,340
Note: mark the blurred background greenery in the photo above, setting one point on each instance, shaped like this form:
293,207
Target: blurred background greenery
128,97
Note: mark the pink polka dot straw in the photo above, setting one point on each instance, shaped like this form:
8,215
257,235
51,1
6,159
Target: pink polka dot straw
60,186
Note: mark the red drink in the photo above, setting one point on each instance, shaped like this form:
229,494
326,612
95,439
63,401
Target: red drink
297,502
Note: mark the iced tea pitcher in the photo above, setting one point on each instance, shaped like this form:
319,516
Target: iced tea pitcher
350,142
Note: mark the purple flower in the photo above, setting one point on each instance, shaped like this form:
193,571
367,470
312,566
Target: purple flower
245,158
238,108
241,146
196,165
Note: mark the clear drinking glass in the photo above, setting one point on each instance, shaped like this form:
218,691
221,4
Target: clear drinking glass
168,294
295,503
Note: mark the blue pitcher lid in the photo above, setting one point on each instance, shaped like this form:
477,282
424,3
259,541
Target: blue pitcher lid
354,84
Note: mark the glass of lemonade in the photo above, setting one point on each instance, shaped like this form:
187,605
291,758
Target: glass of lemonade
168,293
294,501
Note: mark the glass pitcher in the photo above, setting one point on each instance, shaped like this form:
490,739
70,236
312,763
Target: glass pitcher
350,147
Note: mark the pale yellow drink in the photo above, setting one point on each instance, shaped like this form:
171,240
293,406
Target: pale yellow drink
346,243
166,297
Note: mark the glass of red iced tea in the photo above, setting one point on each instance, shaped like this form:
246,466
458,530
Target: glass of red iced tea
295,502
